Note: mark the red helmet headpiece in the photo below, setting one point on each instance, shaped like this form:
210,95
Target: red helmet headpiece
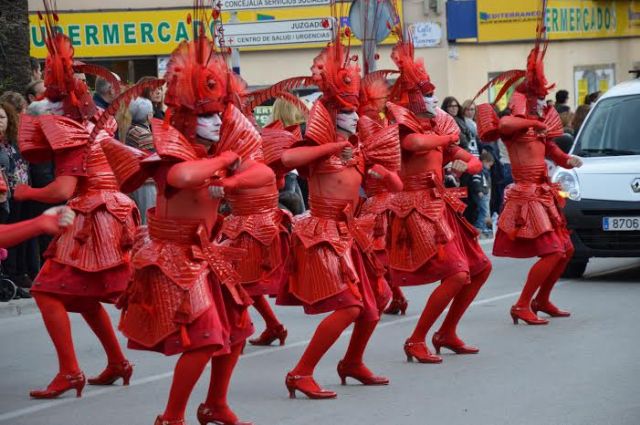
374,93
414,82
59,80
531,83
199,81
336,72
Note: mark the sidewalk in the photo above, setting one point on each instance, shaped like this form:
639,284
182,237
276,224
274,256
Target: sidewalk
17,308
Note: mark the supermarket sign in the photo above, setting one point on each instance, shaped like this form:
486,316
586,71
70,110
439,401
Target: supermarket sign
508,20
260,25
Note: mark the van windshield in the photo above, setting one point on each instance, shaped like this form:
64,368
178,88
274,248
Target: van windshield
613,128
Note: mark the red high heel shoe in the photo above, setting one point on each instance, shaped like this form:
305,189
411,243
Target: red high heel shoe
218,416
454,344
360,373
420,352
397,306
548,308
160,421
307,386
526,315
269,335
112,373
60,385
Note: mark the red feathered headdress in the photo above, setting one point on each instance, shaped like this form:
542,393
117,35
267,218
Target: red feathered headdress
532,83
374,93
59,80
414,82
199,81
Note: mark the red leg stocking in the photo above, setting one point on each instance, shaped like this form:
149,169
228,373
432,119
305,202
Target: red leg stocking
461,303
56,320
221,370
186,374
262,306
543,296
438,301
362,332
325,336
100,323
539,274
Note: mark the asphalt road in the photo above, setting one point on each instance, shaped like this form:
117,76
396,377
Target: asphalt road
578,371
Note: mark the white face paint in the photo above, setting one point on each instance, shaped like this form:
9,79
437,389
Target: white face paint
431,102
348,121
541,105
208,127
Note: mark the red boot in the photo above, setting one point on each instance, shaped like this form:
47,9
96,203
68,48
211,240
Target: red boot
526,315
218,416
360,373
548,308
308,386
420,352
454,344
60,385
112,373
269,335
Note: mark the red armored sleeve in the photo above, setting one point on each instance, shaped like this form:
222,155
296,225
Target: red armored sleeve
553,152
71,162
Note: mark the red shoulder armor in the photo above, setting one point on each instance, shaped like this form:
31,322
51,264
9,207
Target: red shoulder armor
554,123
383,147
170,143
31,141
125,163
445,124
296,131
274,142
367,127
488,122
404,117
276,125
518,104
320,128
239,135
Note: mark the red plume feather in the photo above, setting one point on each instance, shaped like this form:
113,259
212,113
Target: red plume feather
99,71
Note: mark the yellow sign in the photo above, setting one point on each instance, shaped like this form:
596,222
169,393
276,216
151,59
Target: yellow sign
129,33
509,20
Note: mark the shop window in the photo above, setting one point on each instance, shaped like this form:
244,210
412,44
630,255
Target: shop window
592,79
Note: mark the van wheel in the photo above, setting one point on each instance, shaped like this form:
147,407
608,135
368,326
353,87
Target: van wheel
575,269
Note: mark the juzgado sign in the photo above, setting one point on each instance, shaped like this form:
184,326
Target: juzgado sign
506,20
131,33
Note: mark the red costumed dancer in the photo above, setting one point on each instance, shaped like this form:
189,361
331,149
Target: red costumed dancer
89,263
334,266
531,223
52,221
186,296
424,244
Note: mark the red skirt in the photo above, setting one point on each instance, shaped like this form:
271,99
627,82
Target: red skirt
79,290
547,243
467,240
272,282
373,297
223,325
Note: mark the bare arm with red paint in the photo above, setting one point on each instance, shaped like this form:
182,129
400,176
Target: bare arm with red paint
59,190
52,221
510,125
250,175
305,155
390,179
418,142
194,174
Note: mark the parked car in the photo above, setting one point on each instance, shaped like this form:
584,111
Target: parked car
603,205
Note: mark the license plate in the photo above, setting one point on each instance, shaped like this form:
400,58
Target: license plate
620,224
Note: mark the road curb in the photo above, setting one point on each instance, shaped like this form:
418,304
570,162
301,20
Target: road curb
18,308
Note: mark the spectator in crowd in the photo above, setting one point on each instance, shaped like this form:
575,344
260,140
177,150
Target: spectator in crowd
451,106
156,96
16,172
16,100
469,114
139,136
592,97
562,99
36,71
35,91
483,194
40,176
579,117
104,93
296,187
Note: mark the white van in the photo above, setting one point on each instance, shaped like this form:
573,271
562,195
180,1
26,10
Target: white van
603,208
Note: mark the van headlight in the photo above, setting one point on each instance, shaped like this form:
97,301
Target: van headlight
569,183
